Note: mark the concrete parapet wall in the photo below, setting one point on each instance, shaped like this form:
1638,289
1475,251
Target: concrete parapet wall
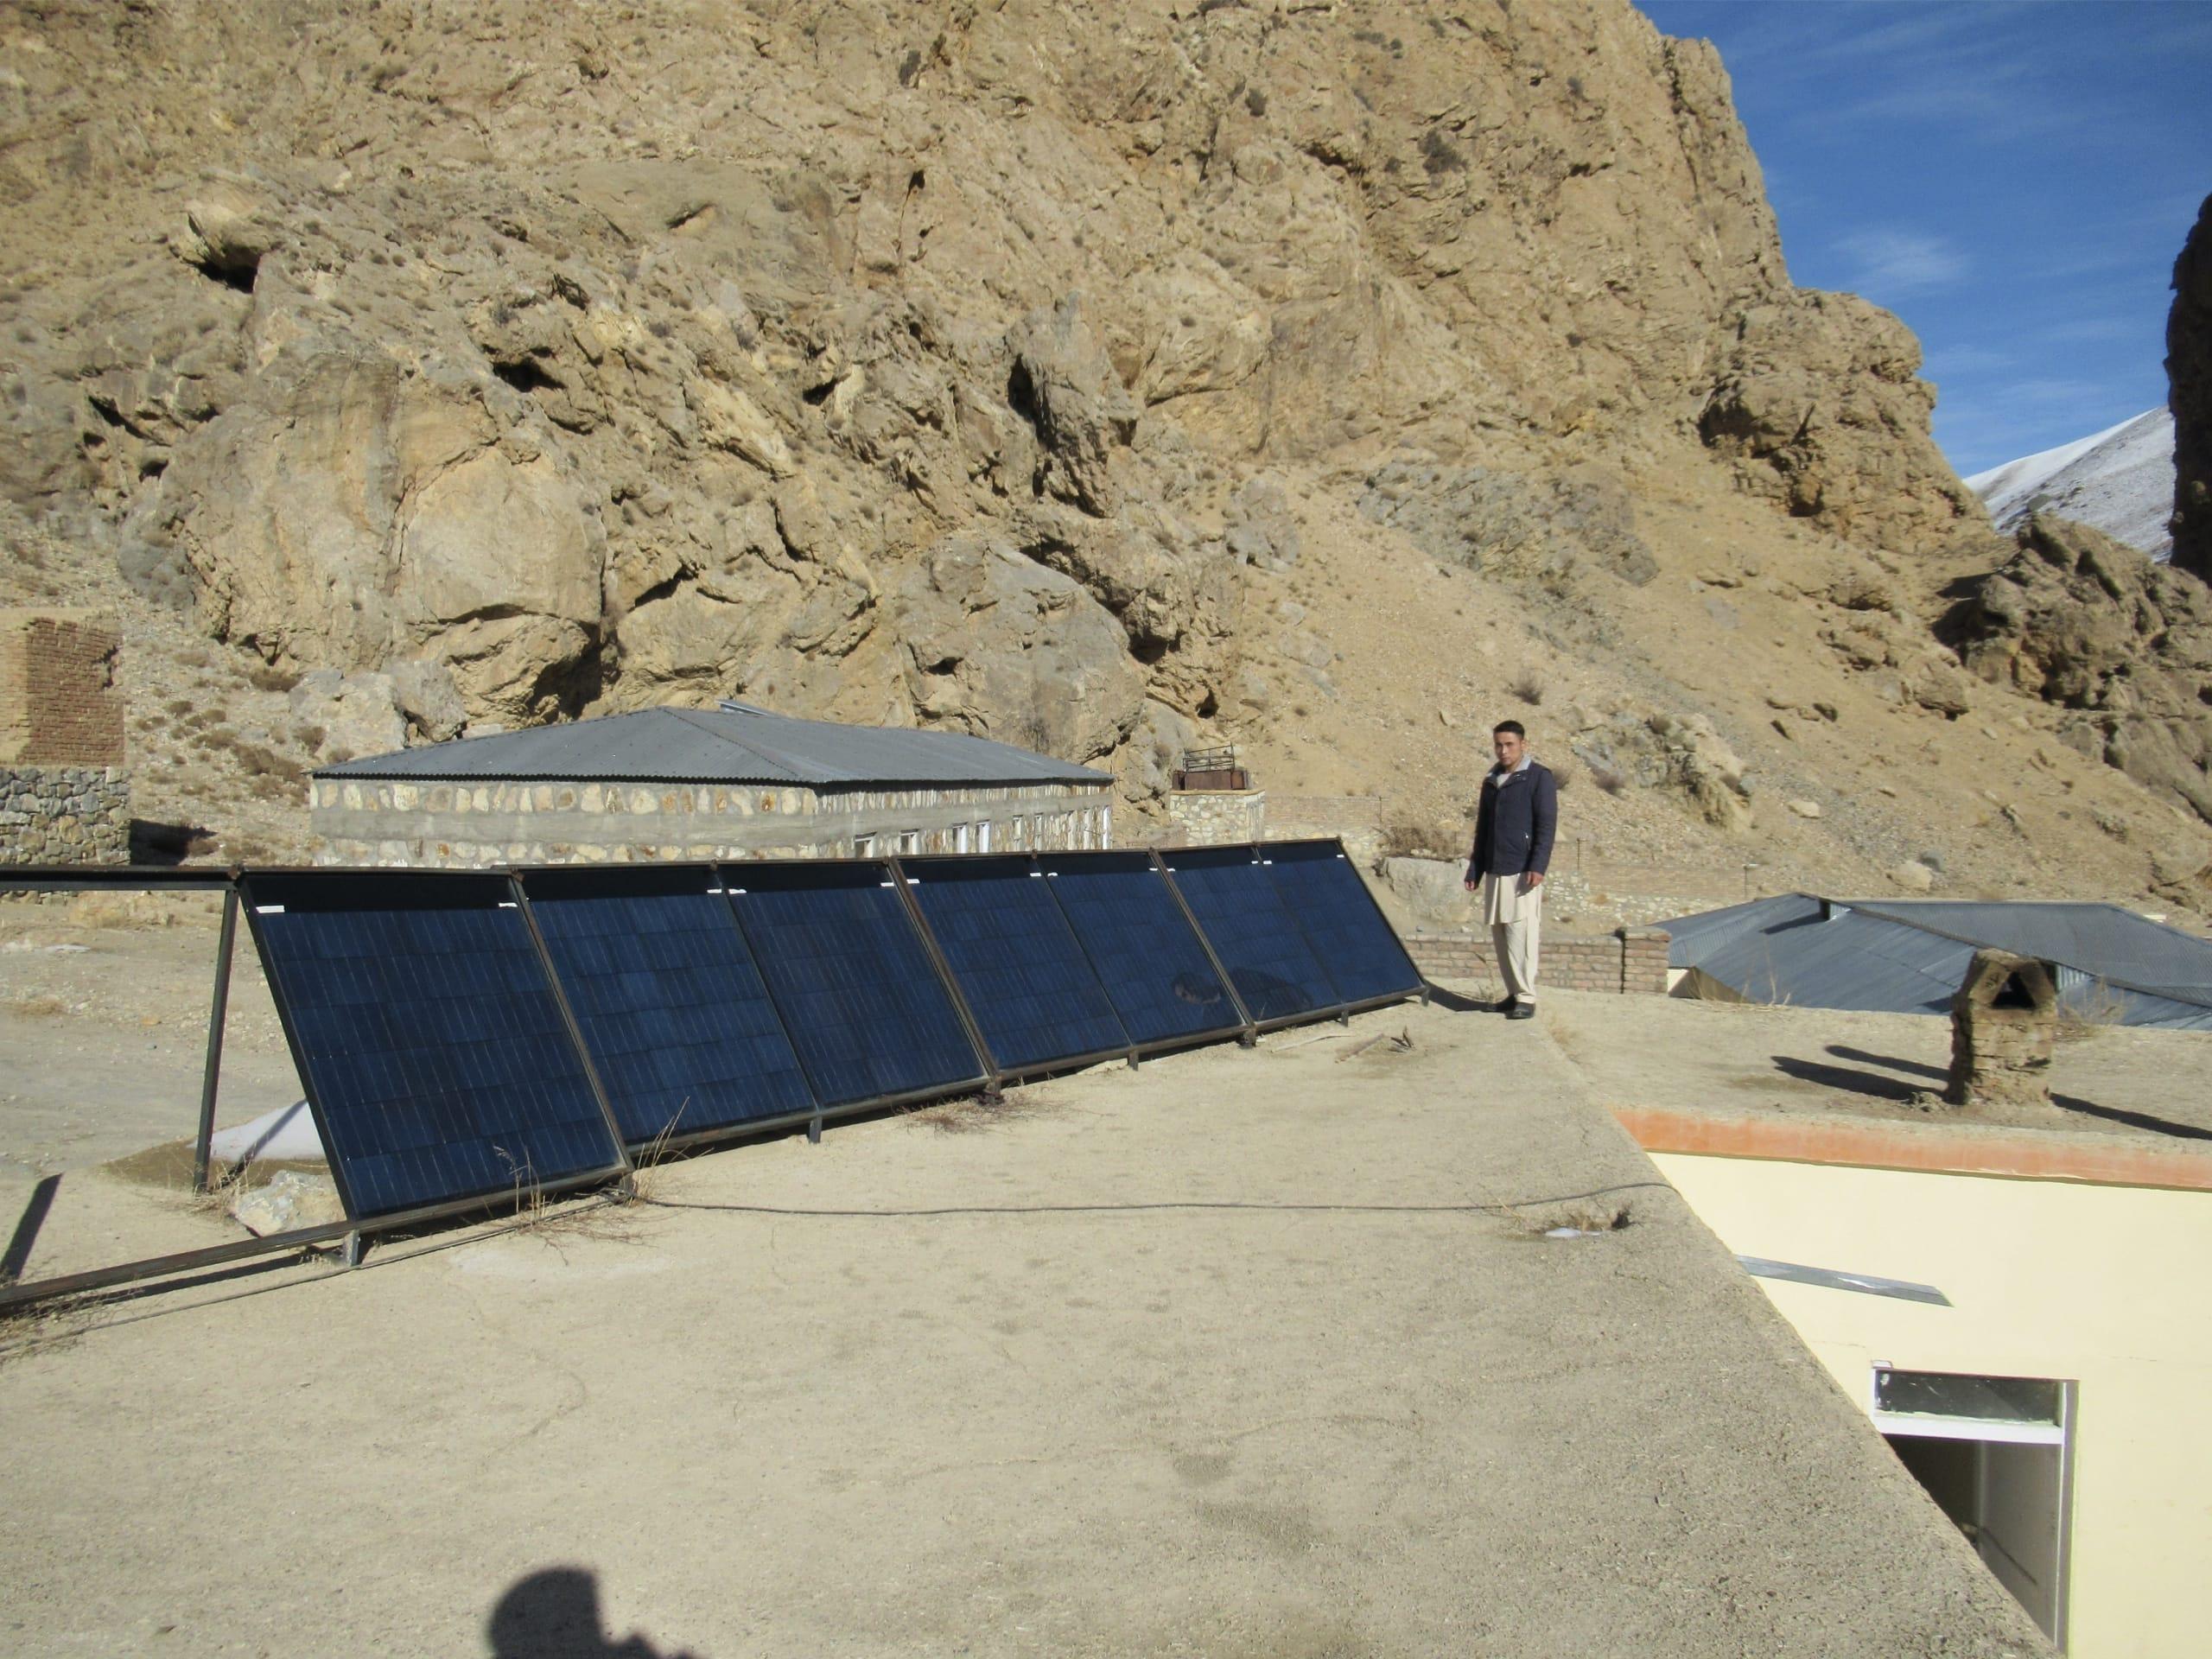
1629,959
64,815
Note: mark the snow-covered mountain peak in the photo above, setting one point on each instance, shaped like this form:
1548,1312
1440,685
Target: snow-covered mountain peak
2120,481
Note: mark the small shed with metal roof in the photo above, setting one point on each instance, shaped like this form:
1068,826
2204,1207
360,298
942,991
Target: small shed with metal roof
732,782
1908,956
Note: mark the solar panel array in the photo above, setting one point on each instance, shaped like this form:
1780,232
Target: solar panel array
463,1034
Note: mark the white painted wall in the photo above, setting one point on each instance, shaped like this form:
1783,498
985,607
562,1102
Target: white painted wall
2110,1286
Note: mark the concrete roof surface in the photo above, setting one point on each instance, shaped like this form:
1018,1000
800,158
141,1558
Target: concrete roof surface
1908,956
727,745
1241,1354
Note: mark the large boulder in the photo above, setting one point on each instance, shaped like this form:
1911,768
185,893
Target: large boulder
1064,383
352,512
1001,646
2123,645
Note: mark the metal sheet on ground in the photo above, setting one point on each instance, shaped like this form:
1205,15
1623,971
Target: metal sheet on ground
1032,991
1154,969
428,1038
672,1007
1354,941
1268,959
862,1004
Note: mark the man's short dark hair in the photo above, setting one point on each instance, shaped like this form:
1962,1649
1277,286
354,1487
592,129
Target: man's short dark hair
1512,726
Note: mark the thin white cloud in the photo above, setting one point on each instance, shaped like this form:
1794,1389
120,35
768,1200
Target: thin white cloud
1888,262
1967,360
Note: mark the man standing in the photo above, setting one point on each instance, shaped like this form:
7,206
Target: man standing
1514,826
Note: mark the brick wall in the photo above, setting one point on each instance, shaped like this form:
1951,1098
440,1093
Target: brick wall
1631,959
60,705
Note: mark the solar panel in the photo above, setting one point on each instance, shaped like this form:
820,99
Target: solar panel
1154,969
1024,977
1268,961
672,1007
428,1038
1358,948
858,993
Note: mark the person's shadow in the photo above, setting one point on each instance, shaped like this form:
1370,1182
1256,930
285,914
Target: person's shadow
554,1614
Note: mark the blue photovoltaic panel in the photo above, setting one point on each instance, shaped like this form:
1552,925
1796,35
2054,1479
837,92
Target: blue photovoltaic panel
428,1036
1153,966
1268,961
1325,895
858,995
672,1009
1024,978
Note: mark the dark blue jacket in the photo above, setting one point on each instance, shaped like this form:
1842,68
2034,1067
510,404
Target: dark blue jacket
1514,823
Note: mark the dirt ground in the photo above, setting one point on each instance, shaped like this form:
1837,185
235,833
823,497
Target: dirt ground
1258,1353
104,1004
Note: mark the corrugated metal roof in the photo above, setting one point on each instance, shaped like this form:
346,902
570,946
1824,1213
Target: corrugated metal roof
2120,944
713,745
1908,957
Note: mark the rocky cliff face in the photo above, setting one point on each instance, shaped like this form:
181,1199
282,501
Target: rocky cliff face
1331,379
2122,644
834,353
2189,377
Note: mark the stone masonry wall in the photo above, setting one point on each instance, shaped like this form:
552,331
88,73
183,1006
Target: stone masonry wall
1217,818
419,822
64,815
1629,959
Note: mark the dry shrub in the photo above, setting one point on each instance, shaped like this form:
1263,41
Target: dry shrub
264,677
1528,687
1607,779
2097,1010
1407,836
36,1008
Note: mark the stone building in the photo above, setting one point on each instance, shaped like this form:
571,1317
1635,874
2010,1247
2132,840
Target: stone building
733,782
65,794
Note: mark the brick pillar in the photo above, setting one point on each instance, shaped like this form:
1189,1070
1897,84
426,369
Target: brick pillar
1643,960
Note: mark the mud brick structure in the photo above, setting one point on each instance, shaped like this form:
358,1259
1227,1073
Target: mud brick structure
64,793
2004,1024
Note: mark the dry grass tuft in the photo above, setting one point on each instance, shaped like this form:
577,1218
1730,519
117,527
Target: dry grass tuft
2097,1010
973,1113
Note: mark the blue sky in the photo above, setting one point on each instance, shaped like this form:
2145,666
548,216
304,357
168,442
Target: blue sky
2012,179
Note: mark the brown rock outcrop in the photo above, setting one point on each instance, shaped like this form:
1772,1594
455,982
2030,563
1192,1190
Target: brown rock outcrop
2188,383
1327,380
2124,646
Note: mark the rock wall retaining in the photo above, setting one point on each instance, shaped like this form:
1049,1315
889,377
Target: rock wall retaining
64,815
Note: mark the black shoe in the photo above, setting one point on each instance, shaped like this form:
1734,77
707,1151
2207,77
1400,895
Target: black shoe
1504,1005
1522,1011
